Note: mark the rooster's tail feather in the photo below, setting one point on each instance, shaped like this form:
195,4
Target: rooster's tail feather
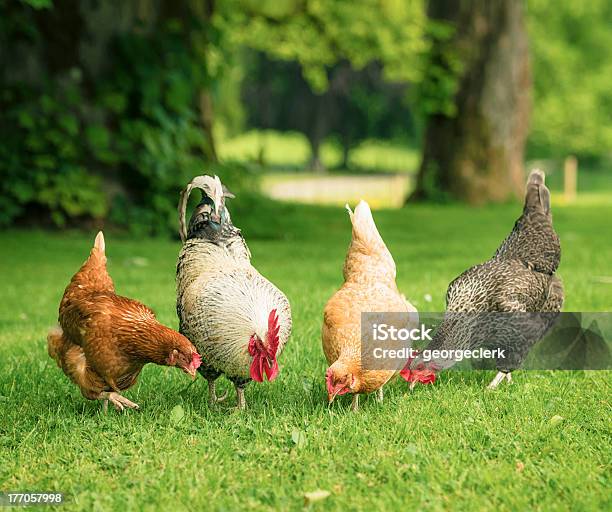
205,182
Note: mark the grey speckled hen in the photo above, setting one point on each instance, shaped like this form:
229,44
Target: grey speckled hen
238,320
510,301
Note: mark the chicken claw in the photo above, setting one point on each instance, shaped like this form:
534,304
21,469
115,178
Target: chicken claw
212,393
119,402
499,378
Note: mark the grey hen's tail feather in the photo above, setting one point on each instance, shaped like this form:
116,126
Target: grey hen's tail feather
537,195
533,240
537,177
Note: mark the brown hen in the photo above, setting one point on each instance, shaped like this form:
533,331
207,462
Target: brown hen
103,340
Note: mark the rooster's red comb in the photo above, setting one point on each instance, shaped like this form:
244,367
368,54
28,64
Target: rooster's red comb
273,329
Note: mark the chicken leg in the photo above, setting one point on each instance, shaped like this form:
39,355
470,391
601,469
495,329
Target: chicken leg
240,396
355,403
119,402
499,378
379,395
212,393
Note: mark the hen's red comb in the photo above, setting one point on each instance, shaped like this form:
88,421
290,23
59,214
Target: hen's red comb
420,374
196,360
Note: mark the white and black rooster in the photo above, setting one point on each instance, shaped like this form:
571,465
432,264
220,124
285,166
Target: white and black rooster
238,320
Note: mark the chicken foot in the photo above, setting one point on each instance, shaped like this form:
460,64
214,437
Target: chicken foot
499,378
240,396
379,395
212,393
119,402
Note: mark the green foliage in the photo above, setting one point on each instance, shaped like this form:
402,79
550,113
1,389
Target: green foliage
436,91
39,4
570,43
42,159
118,140
289,151
158,80
318,33
125,143
159,142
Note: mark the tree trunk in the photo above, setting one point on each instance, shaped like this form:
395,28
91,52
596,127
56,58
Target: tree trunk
346,151
315,164
203,11
477,155
206,101
316,133
207,117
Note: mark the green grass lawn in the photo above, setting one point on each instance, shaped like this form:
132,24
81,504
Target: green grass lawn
452,445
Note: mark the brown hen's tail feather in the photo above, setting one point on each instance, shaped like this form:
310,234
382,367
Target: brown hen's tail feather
364,227
97,255
99,242
55,342
92,276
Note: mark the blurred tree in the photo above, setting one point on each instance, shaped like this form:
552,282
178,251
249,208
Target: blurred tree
570,43
106,104
357,104
330,40
473,147
198,36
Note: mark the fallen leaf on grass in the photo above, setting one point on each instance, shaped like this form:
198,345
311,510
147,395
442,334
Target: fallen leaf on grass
137,261
314,496
556,419
412,449
299,438
307,384
519,466
177,414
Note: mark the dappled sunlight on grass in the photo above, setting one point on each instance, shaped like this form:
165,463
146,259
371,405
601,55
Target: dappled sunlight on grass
381,191
290,151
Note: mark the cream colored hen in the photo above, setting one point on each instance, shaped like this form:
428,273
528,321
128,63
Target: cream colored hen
369,286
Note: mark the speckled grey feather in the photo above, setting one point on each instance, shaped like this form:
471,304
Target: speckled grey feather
519,278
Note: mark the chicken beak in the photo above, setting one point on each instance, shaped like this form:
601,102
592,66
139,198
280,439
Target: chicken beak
413,384
332,396
216,217
192,372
